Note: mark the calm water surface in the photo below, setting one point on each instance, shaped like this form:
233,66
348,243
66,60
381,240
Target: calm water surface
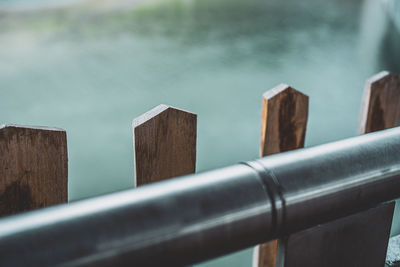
91,69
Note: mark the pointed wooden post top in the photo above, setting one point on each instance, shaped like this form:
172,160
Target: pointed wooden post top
283,128
380,105
33,168
284,120
164,144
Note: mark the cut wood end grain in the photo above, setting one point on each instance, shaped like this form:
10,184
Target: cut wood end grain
155,112
279,89
45,128
377,77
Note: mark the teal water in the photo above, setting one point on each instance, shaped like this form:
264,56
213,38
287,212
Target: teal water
92,69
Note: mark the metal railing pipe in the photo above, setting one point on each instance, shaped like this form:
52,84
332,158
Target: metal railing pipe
198,217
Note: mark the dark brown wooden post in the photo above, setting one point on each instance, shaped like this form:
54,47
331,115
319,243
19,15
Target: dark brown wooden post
33,168
381,103
283,128
164,144
359,239
381,110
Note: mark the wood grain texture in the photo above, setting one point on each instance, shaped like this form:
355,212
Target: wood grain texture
164,144
283,128
359,239
380,105
284,120
33,168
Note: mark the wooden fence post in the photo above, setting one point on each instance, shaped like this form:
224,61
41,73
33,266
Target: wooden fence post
164,144
359,239
381,103
33,168
283,128
380,107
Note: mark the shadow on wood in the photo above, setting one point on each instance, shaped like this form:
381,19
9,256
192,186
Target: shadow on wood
360,239
380,106
33,168
283,128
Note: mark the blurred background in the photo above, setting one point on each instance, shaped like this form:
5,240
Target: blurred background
91,66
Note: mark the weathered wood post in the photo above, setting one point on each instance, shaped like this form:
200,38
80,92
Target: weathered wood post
381,103
283,128
360,239
33,168
164,144
381,109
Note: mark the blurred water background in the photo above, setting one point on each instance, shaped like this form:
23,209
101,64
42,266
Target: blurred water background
90,67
